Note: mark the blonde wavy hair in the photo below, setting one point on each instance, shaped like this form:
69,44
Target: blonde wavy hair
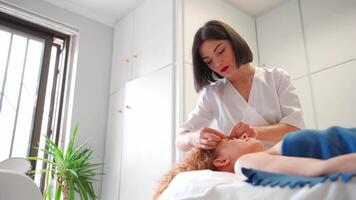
197,159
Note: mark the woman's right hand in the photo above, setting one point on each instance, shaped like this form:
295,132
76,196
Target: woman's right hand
206,138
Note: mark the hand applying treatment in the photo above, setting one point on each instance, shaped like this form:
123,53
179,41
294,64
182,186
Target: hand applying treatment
242,128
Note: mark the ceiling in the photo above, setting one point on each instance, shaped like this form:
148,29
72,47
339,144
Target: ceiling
103,11
255,7
108,11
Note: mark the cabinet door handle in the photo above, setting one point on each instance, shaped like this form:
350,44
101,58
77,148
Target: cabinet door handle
128,107
127,60
119,111
135,55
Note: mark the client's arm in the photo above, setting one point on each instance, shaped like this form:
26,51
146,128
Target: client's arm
344,163
299,166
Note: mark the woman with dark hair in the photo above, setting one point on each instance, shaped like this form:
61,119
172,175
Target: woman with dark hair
261,102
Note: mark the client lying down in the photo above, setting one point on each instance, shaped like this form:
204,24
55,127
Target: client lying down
307,153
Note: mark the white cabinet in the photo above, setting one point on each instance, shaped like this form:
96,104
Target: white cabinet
153,36
190,96
140,146
280,39
110,186
122,53
147,136
143,42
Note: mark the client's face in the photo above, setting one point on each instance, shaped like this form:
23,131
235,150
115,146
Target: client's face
234,148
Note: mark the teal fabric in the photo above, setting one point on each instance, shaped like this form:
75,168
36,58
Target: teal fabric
324,144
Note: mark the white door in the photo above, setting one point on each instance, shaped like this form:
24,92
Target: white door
153,36
111,177
147,137
122,53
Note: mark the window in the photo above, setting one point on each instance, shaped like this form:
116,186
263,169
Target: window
32,70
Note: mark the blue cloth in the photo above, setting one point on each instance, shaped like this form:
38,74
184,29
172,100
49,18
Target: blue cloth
262,178
324,144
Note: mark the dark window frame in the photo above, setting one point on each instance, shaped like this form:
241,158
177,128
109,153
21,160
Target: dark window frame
48,35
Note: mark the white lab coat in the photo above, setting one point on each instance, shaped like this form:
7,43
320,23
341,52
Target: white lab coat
272,99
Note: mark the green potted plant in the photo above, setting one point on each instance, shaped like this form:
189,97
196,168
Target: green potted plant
68,172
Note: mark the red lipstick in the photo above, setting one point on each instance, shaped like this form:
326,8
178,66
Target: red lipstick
224,69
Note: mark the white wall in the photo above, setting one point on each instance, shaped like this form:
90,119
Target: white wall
329,28
93,73
315,42
281,44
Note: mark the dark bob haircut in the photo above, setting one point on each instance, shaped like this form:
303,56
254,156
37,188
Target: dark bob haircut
216,30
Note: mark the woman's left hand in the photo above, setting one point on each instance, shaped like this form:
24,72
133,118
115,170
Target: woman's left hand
242,128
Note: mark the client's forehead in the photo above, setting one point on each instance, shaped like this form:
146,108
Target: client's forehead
224,142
